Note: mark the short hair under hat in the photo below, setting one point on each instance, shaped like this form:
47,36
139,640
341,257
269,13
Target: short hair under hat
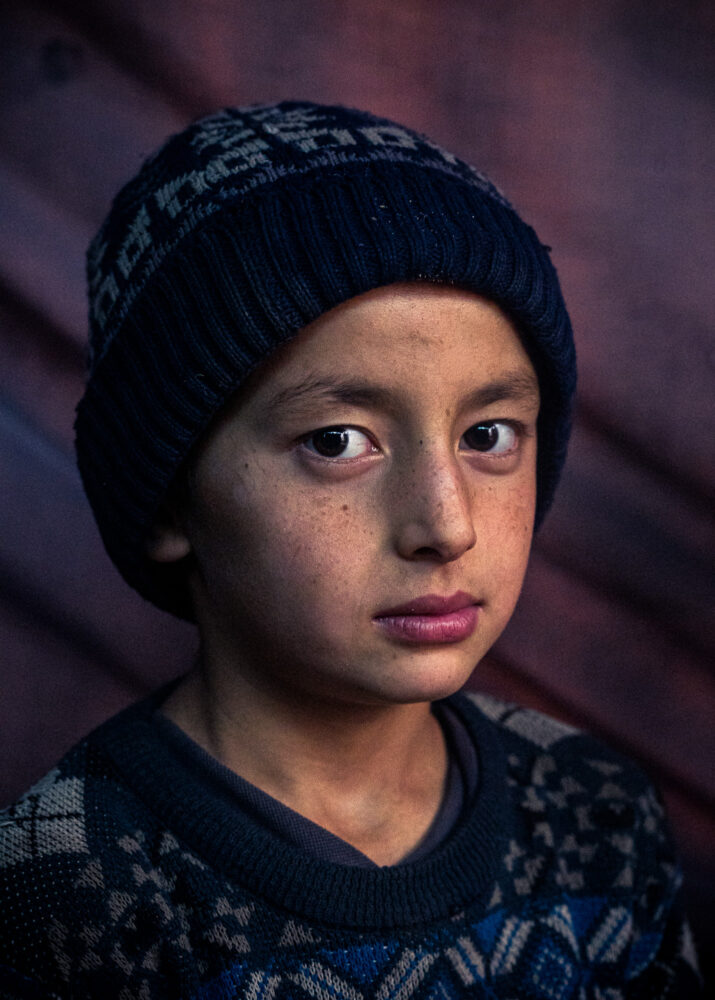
240,231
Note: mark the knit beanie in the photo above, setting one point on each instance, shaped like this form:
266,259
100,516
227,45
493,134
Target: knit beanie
237,233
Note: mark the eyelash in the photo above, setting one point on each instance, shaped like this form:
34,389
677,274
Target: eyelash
515,427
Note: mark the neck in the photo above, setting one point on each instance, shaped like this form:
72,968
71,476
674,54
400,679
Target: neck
371,774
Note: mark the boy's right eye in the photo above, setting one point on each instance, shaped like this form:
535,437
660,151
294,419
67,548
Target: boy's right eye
339,442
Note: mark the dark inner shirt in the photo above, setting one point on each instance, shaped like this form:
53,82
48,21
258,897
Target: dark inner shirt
460,786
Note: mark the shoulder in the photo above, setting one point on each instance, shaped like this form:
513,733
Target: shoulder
541,747
581,787
47,826
62,819
102,893
68,847
588,811
43,850
589,848
590,836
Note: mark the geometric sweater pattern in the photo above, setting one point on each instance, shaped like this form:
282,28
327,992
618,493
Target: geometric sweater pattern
123,876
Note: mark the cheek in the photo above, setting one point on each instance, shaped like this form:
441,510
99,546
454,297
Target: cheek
265,542
510,528
309,578
323,545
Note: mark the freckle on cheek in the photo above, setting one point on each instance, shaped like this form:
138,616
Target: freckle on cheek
345,506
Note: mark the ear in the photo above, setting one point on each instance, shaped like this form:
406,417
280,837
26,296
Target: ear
167,541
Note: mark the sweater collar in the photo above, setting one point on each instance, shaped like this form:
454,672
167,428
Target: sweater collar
456,874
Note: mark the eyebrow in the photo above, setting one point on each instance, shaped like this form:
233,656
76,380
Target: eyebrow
515,385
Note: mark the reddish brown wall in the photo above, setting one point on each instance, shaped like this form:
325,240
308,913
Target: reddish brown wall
596,118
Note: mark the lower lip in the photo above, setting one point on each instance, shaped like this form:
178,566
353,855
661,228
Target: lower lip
431,629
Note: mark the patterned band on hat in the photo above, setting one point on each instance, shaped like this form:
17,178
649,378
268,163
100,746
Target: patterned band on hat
222,159
245,228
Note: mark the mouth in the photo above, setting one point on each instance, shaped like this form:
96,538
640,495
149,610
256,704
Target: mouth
431,619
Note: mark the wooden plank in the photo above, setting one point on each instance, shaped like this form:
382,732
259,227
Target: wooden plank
618,670
52,696
142,39
42,250
41,371
635,536
72,124
52,561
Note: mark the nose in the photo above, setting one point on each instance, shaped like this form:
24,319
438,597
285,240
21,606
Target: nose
432,508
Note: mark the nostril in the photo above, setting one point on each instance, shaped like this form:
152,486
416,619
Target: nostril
427,552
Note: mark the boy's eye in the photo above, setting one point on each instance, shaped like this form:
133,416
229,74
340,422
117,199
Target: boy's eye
339,442
495,437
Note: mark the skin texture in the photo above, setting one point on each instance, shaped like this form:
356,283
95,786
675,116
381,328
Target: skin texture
295,554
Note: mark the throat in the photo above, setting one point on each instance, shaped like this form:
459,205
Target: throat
389,821
395,838
380,792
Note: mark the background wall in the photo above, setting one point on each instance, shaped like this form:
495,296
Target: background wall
596,117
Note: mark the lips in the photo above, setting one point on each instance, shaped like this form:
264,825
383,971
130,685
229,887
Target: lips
431,604
431,619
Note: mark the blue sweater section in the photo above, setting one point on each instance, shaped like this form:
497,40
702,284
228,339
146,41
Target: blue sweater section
124,873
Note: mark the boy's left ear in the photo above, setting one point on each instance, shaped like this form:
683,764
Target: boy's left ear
167,541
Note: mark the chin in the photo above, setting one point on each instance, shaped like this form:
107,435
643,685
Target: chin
426,681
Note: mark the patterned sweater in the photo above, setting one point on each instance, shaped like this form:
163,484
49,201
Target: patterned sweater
122,876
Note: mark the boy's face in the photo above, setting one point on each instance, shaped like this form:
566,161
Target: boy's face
386,454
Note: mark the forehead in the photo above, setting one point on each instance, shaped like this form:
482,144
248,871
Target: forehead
397,341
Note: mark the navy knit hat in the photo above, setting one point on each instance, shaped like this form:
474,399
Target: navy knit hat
240,231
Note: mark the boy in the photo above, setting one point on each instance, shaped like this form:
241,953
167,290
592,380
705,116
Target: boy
323,351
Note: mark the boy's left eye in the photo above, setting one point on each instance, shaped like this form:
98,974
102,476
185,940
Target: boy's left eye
494,437
339,442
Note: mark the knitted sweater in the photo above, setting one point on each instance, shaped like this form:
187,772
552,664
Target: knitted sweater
123,876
